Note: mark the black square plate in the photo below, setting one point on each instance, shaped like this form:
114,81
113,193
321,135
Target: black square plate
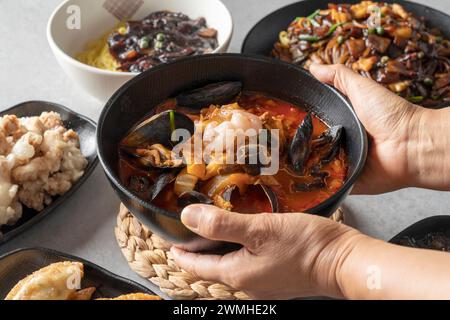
19,264
84,127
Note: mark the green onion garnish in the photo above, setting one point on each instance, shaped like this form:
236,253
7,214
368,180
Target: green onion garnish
308,37
333,28
312,38
314,14
172,121
314,23
416,99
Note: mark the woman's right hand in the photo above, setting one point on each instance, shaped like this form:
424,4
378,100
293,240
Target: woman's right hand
407,143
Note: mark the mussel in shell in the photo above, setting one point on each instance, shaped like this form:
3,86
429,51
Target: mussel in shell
143,186
193,197
152,140
328,144
268,192
213,94
156,156
300,148
158,130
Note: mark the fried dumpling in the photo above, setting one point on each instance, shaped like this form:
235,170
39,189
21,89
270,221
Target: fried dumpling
58,281
135,296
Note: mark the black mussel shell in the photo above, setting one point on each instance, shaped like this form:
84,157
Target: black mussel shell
158,129
213,94
329,143
271,196
163,180
273,199
139,184
300,148
316,172
193,197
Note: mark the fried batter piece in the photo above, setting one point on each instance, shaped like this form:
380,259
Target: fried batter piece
39,158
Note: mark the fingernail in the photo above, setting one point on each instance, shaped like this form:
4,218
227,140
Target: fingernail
191,216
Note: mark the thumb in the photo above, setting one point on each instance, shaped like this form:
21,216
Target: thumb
217,224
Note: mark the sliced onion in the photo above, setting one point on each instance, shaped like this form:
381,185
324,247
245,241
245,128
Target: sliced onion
184,182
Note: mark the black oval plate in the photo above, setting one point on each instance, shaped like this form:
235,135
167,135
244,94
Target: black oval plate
419,230
86,131
17,265
264,34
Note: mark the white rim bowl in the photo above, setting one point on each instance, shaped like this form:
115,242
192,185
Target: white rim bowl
66,43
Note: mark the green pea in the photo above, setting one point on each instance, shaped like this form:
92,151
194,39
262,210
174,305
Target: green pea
340,39
428,81
160,37
421,55
144,42
384,59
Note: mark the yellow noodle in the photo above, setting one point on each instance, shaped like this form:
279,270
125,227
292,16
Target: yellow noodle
97,53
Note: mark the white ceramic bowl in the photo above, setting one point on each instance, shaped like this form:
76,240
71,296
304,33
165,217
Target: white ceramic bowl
66,39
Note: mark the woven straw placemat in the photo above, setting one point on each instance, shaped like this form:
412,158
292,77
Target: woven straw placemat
149,256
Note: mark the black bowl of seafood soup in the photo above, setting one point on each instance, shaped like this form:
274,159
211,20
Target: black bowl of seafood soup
319,150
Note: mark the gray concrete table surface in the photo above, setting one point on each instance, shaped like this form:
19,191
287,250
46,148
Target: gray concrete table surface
84,225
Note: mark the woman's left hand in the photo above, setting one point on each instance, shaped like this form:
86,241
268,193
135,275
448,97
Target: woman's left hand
283,256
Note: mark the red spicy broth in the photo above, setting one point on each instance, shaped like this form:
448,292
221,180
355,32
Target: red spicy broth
253,200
